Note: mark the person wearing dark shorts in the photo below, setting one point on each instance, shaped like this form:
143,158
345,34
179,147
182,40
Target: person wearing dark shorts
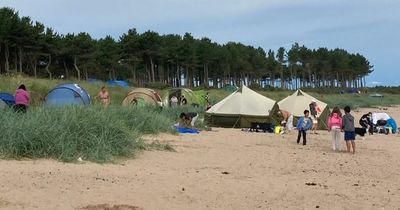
349,130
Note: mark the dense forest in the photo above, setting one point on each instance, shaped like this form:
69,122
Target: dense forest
30,48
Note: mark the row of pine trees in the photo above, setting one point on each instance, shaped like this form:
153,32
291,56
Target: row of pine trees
30,48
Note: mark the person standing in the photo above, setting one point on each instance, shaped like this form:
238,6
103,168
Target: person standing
174,101
22,99
303,125
349,130
335,126
314,109
104,96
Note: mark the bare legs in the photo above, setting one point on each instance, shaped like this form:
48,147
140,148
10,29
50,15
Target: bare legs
350,144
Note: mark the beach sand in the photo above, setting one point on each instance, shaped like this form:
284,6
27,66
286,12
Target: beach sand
219,169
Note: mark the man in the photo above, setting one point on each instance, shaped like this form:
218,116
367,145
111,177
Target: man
287,119
366,122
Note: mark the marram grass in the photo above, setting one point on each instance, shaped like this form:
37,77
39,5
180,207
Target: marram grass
92,133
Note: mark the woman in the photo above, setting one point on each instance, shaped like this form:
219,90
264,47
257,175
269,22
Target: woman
104,96
314,111
22,99
335,125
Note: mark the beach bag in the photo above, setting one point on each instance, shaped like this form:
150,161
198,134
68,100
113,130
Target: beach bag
278,129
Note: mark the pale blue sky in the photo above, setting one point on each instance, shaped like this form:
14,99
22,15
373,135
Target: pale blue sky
369,27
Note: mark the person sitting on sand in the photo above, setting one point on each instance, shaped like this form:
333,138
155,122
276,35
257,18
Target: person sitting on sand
303,125
188,119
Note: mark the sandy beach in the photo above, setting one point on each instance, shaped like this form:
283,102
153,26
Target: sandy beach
219,169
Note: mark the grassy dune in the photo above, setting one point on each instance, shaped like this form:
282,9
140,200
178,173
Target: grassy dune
92,133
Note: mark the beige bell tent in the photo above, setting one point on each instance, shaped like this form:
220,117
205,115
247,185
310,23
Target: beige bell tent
142,96
242,108
300,101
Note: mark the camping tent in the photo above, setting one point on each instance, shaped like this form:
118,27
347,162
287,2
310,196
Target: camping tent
95,81
195,98
390,122
120,83
67,94
230,88
300,101
142,96
8,98
242,108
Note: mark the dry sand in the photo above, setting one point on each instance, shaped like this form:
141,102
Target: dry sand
221,169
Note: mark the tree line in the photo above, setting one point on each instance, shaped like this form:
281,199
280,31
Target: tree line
30,48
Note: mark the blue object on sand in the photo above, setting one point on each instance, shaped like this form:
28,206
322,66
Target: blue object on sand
392,123
187,130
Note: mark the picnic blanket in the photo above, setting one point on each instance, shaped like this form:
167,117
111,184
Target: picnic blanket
186,130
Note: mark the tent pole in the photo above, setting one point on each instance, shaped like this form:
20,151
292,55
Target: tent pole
236,121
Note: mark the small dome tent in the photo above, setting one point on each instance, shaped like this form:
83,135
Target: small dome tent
142,96
300,101
67,94
8,98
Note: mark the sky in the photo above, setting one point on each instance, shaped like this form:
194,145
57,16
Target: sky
368,27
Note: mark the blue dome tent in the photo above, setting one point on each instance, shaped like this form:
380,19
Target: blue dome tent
67,94
120,83
8,98
95,81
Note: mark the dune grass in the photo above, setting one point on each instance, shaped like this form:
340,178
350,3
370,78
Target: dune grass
92,133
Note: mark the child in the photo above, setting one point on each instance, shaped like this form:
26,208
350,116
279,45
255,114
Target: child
304,124
335,125
22,99
349,130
